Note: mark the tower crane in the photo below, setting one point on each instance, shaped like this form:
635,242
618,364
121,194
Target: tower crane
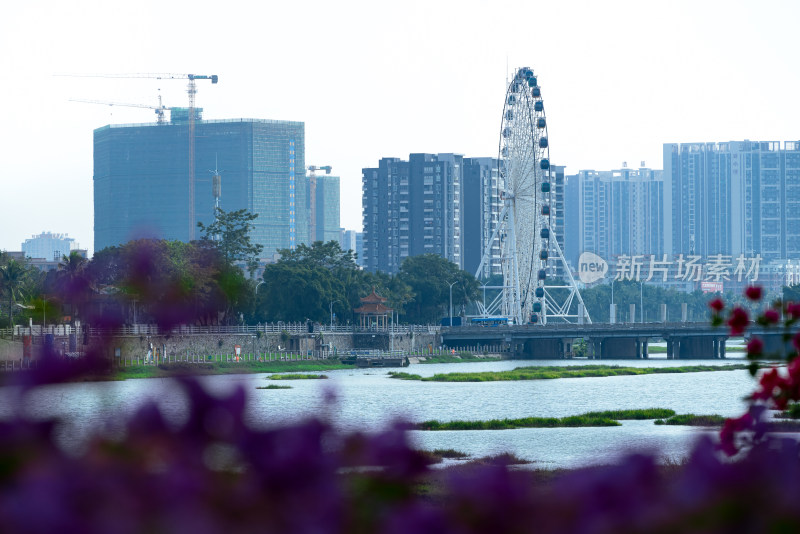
159,109
314,168
312,193
191,91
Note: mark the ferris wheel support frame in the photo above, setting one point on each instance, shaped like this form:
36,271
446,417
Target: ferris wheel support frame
525,177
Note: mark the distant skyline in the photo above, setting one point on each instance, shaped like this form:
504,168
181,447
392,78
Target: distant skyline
373,80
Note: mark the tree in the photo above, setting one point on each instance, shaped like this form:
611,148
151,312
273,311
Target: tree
327,255
791,293
13,279
309,282
72,281
429,276
230,235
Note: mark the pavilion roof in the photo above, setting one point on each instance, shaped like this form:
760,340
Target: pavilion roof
372,304
373,298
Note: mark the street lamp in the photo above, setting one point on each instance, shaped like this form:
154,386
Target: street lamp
331,310
44,312
257,286
641,300
451,302
613,311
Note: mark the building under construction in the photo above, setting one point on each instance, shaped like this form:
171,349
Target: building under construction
146,186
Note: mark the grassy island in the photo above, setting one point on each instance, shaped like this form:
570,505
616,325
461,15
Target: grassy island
274,386
576,371
223,368
297,377
607,418
691,419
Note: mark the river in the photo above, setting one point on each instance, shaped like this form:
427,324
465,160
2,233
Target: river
367,399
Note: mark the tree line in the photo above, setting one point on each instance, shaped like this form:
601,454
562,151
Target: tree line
211,281
206,282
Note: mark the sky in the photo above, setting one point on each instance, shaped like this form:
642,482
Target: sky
384,79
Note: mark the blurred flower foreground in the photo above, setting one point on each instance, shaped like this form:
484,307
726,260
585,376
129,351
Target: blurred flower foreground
213,473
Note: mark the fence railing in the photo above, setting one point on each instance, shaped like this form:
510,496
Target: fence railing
269,328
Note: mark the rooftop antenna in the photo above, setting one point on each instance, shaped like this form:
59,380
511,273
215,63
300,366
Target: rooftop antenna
216,184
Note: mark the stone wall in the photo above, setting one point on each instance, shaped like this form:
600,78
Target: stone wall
10,350
220,344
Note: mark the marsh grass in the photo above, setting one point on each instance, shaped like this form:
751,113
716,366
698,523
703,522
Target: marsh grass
436,456
449,453
591,419
461,357
222,368
274,386
505,458
691,419
297,376
548,373
792,413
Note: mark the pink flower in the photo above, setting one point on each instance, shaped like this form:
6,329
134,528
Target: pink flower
772,316
738,321
753,292
772,384
755,346
793,310
717,305
727,436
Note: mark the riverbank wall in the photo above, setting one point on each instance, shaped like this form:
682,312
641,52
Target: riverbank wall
320,344
135,345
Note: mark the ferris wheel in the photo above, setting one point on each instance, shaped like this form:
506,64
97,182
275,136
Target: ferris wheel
530,255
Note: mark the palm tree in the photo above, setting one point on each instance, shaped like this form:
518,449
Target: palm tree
13,278
73,283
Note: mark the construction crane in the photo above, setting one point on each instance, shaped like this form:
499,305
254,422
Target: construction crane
312,201
191,91
159,109
314,168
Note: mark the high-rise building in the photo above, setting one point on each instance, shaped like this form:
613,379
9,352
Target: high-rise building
410,208
613,213
347,240
325,197
698,201
481,210
143,186
740,197
49,246
360,249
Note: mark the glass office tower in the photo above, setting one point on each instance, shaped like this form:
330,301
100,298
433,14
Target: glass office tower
143,186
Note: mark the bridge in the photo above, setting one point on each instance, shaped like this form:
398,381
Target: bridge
604,341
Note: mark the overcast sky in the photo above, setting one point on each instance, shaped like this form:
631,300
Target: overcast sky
376,79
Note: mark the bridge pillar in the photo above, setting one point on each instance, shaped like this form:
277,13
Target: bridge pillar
645,355
638,349
619,349
775,346
593,348
722,348
544,349
696,348
671,348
